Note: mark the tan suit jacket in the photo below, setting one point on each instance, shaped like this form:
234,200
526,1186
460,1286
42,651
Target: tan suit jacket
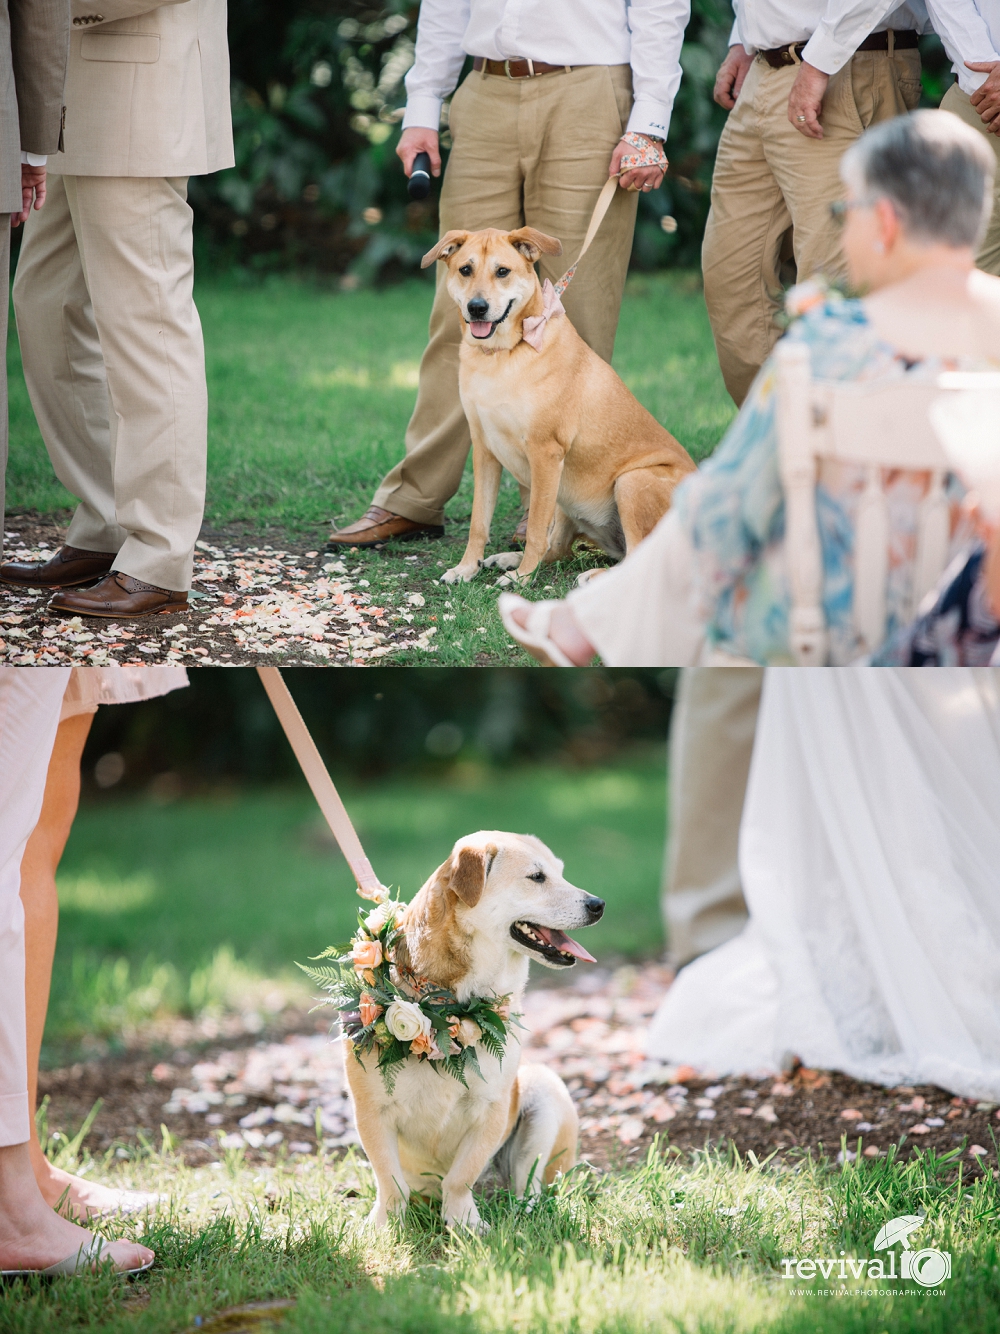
34,36
148,90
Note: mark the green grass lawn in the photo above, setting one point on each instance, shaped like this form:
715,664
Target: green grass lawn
202,900
685,1245
310,391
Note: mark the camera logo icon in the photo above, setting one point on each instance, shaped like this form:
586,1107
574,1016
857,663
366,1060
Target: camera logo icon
928,1267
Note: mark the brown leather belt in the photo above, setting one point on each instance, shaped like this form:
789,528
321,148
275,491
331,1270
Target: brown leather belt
902,40
518,69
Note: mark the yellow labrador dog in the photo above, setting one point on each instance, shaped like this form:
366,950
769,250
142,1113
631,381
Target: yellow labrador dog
498,901
543,405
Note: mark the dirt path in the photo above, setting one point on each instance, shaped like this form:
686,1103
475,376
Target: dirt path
288,604
277,1094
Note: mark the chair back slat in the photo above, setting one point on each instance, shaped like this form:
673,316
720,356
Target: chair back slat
871,561
881,427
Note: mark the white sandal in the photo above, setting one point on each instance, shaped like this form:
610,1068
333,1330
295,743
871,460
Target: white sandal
534,635
79,1262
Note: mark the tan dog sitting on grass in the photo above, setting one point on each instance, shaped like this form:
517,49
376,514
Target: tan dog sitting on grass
546,407
499,901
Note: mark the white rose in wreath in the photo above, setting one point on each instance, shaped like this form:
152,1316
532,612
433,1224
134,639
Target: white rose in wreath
377,919
406,1021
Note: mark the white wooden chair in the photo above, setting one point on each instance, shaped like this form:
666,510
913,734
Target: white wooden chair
878,426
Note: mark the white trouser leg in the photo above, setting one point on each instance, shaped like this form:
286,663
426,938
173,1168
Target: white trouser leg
30,698
642,613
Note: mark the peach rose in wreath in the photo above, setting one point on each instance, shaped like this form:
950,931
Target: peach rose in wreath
466,1031
424,1044
366,955
370,1011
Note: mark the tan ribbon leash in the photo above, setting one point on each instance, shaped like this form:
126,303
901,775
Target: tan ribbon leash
596,218
647,154
327,796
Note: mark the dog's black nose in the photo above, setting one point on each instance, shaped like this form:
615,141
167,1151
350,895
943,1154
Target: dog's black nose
595,908
478,309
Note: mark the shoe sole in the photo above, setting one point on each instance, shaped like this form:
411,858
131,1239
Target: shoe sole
430,534
123,615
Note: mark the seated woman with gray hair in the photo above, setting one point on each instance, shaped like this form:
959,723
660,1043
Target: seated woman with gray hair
709,583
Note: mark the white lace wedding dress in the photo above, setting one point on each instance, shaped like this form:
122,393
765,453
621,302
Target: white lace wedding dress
870,859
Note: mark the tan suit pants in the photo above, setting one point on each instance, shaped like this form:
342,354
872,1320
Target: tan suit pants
115,365
959,104
769,179
524,152
711,741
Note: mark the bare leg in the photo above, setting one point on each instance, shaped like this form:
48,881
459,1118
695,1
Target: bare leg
41,922
33,1236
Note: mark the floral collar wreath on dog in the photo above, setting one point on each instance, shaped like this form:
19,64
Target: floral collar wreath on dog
387,1008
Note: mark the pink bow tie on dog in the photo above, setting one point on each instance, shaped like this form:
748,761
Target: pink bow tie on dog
533,328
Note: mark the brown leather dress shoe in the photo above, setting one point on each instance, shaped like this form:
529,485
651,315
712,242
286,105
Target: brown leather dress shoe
119,597
377,526
67,568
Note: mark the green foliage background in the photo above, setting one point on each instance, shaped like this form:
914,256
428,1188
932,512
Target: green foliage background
317,98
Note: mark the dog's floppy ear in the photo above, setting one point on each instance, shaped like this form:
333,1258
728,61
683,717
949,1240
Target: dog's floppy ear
445,248
469,869
532,243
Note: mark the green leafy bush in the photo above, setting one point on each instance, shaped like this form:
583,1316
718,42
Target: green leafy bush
318,95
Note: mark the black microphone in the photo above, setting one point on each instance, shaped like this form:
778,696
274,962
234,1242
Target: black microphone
419,185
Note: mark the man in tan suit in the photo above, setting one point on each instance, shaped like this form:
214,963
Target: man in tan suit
34,38
110,337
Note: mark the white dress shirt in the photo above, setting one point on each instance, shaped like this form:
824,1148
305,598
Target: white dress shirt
646,34
832,29
970,30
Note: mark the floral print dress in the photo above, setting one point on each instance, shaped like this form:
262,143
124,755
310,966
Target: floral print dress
733,509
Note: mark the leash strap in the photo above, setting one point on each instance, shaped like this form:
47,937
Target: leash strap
596,218
327,796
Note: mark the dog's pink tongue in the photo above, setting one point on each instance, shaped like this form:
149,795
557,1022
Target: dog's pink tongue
480,328
567,944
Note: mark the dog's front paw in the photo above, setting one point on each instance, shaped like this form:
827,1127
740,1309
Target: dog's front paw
462,1213
460,574
382,1210
503,560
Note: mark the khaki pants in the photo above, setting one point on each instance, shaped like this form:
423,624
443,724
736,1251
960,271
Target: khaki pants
768,179
524,152
959,104
115,366
711,741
